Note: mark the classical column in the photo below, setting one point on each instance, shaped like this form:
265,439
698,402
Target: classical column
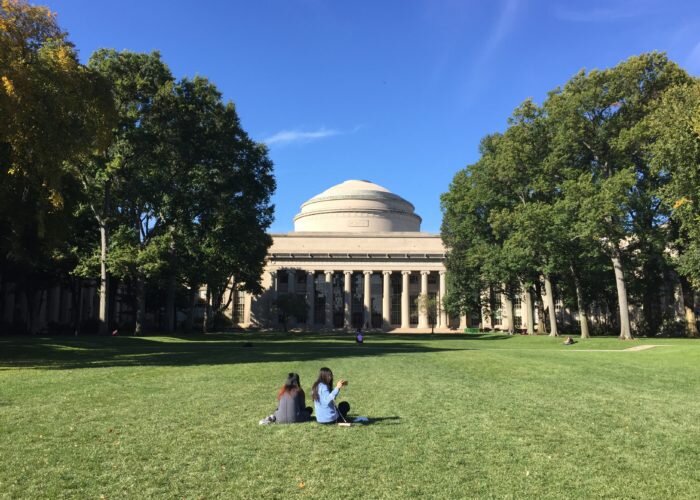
272,316
442,314
405,318
329,299
67,307
42,316
310,298
273,284
462,322
423,311
347,292
54,304
507,319
247,308
368,300
386,301
230,311
91,301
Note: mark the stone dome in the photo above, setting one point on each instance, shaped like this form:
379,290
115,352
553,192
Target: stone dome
357,207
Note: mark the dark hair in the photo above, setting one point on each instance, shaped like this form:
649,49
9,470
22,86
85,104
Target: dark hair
325,376
291,386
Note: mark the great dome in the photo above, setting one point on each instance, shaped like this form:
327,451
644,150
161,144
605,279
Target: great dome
357,207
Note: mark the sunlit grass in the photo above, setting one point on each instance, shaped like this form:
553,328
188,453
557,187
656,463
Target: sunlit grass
453,417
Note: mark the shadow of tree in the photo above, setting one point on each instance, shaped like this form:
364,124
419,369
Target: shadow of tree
212,349
488,336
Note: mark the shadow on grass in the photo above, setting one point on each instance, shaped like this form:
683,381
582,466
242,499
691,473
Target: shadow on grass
213,349
389,420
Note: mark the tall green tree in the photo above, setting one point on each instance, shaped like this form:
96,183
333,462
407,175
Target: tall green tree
674,154
121,183
597,117
472,249
215,185
528,181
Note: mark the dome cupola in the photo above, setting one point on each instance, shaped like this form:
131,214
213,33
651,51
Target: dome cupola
357,207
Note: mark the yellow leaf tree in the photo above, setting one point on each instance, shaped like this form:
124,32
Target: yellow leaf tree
52,109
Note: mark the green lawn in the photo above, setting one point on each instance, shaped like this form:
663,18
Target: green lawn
452,417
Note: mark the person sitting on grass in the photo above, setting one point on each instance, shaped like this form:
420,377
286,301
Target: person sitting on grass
324,398
359,338
569,341
291,407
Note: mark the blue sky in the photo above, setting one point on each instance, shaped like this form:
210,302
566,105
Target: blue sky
398,92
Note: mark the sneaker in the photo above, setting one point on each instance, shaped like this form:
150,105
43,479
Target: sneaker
268,420
264,421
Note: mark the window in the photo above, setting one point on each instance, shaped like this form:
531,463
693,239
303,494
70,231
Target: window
238,307
320,299
395,299
282,282
496,308
432,311
413,309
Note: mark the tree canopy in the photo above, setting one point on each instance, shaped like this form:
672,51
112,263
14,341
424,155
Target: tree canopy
119,170
590,174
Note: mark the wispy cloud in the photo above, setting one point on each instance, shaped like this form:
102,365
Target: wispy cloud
611,11
300,136
303,136
478,73
500,30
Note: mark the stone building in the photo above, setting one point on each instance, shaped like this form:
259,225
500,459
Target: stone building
358,257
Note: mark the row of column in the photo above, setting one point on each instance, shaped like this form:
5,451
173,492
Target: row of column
386,297
54,305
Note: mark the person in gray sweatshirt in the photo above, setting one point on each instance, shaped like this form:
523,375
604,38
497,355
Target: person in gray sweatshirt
291,407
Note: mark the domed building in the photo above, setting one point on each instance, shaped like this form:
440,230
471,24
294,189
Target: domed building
357,207
358,257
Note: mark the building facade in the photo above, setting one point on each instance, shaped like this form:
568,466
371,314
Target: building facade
359,259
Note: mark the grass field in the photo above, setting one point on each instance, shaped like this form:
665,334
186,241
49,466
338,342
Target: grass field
451,417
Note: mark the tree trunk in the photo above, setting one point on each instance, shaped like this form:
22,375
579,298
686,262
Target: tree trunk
104,281
691,323
205,321
79,319
510,311
189,326
539,304
625,329
170,304
582,317
527,293
553,332
140,306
